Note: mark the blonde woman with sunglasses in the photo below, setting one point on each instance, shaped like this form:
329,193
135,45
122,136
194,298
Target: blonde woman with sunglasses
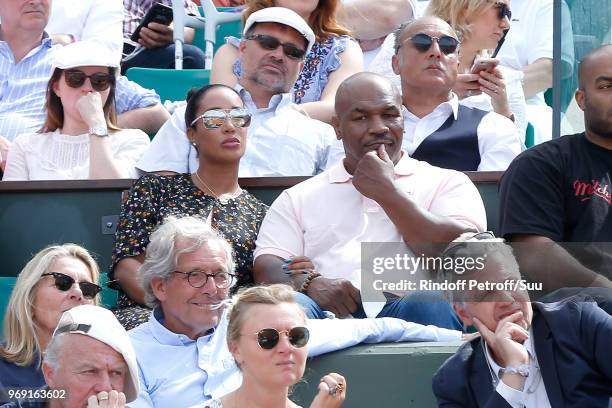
80,138
268,337
57,279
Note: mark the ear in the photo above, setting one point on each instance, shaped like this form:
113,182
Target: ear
580,99
48,373
55,88
158,286
463,315
241,48
190,135
235,350
335,122
395,64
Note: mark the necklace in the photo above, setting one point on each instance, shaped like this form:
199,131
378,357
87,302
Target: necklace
223,198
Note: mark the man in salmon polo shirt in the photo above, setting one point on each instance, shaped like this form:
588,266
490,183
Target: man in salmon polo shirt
377,194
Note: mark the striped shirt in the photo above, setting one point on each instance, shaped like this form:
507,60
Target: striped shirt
23,89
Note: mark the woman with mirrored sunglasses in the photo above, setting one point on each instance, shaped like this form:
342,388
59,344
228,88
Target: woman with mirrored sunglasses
217,127
481,83
80,138
334,56
268,337
56,279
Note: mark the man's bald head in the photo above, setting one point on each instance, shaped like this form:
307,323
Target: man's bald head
591,62
360,84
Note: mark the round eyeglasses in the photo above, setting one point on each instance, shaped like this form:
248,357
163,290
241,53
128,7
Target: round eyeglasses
198,279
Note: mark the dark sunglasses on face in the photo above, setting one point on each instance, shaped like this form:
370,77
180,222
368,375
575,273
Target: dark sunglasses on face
65,282
267,42
214,118
269,338
504,11
422,42
100,81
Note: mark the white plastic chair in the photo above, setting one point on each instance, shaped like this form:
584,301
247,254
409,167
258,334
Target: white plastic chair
209,23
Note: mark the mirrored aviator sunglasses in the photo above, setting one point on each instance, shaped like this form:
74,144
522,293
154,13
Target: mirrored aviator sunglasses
65,282
100,81
214,118
269,338
422,42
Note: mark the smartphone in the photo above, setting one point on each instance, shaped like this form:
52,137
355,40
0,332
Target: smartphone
484,64
158,13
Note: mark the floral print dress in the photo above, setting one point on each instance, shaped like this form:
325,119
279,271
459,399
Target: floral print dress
153,198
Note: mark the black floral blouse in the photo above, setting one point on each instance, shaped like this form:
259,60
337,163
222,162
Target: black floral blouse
152,198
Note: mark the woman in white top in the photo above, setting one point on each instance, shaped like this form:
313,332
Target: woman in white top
480,25
267,335
80,138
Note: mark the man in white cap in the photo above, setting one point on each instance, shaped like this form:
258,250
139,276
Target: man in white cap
89,362
282,141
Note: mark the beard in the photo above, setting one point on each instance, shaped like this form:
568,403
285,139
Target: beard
278,82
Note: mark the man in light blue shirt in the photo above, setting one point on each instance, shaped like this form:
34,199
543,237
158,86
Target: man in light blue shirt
182,352
281,140
26,57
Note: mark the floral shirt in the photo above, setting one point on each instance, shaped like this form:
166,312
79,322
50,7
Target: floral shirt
322,60
153,198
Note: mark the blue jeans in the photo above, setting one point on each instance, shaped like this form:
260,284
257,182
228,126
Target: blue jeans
419,307
163,57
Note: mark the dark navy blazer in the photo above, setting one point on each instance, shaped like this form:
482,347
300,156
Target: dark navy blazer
573,344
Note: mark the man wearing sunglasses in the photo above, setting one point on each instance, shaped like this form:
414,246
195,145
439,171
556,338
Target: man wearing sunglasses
281,141
529,354
26,67
437,129
182,351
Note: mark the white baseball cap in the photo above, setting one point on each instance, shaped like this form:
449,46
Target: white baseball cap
101,324
86,53
285,16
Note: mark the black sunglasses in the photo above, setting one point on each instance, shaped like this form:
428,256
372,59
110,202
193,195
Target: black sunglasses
214,118
267,42
100,81
504,11
268,338
422,42
65,282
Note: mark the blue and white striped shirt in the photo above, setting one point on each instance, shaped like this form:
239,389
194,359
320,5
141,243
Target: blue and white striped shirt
23,89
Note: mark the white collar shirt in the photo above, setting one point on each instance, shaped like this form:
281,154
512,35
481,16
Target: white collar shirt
498,139
533,393
280,142
326,218
175,371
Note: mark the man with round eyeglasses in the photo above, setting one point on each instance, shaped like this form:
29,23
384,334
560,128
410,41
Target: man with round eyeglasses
282,141
437,129
182,352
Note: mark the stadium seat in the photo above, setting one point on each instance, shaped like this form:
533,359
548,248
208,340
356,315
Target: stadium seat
170,84
6,286
231,28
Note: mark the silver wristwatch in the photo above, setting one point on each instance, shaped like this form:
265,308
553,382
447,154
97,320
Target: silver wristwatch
522,370
100,131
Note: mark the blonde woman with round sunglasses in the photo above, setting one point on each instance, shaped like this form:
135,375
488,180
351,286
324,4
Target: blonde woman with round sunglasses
268,337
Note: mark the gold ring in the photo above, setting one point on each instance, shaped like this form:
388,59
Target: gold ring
103,397
336,390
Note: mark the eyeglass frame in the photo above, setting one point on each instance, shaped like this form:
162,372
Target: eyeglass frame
227,115
59,275
278,334
434,39
69,71
208,275
257,37
504,10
